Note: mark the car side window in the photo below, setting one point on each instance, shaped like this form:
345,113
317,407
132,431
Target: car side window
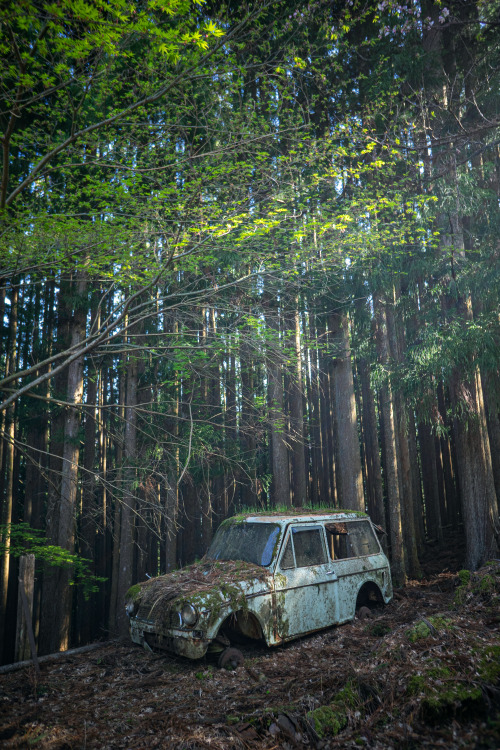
309,547
353,539
287,559
363,540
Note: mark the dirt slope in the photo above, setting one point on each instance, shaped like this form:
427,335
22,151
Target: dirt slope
424,673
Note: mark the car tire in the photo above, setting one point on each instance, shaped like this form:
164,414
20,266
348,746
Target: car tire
231,658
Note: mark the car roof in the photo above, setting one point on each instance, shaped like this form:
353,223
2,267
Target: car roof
299,515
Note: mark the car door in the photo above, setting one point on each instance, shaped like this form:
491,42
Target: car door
305,583
355,553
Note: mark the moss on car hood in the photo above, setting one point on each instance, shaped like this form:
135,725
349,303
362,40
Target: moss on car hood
195,581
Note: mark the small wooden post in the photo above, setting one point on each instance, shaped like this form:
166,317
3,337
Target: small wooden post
25,640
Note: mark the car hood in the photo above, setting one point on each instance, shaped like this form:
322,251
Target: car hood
200,583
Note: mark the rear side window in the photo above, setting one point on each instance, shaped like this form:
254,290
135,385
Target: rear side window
352,539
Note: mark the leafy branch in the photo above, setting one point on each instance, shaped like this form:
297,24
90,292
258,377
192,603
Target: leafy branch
24,540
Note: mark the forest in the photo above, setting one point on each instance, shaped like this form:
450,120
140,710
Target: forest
249,258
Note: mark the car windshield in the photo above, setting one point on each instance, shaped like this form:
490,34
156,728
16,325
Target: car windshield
251,542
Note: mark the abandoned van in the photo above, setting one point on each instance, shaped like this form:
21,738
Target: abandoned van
270,576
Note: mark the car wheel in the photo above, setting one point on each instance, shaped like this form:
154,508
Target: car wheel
365,613
231,658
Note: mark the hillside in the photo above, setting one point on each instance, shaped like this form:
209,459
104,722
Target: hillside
425,672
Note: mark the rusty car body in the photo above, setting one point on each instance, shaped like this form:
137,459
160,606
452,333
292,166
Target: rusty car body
270,576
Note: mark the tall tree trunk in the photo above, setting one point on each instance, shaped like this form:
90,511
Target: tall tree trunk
391,463
169,489
126,556
280,488
69,477
117,513
248,443
349,475
87,536
479,502
48,641
297,419
373,468
407,500
281,477
329,495
313,398
491,400
8,455
430,482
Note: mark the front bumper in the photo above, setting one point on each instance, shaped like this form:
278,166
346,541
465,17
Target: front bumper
192,644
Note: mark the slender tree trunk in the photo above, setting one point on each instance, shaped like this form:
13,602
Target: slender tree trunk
49,639
117,514
89,506
453,504
430,482
329,496
407,501
126,556
280,489
281,476
248,443
491,400
297,419
348,461
69,477
9,451
479,502
372,452
169,489
391,464
317,454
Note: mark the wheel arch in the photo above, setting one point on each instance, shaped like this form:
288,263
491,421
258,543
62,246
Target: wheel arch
369,595
241,622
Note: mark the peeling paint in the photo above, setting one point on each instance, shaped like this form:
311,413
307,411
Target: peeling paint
316,585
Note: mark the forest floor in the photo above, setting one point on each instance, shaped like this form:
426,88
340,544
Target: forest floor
424,673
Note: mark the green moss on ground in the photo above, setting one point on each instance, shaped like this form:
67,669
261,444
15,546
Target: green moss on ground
489,666
331,719
483,585
443,691
379,629
427,627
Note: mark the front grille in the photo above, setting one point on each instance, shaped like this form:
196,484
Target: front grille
171,619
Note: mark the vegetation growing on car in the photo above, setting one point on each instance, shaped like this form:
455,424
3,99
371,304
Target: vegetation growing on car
291,512
206,585
133,593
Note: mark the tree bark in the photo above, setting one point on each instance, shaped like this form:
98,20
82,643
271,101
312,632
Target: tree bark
281,477
9,451
479,502
126,557
297,419
372,452
349,475
391,463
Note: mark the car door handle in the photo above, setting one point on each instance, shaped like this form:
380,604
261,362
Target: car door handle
331,573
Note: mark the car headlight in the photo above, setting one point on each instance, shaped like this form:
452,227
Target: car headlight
130,609
189,615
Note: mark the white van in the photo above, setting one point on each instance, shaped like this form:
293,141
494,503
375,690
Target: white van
270,576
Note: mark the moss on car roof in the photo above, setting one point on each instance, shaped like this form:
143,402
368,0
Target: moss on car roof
294,513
